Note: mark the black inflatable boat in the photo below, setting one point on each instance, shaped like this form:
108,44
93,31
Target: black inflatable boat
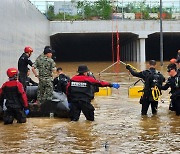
59,106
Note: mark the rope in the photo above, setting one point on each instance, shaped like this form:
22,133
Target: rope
156,93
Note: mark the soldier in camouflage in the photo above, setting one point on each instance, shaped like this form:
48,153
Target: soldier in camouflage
46,66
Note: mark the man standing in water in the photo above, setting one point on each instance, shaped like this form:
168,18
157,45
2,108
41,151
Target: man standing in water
174,83
152,79
13,93
80,92
23,63
46,66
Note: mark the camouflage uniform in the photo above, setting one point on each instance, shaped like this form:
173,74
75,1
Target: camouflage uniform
45,67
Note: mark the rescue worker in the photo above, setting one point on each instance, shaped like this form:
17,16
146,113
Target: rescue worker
23,63
95,88
178,65
178,56
80,93
46,66
29,81
16,100
151,79
174,83
60,82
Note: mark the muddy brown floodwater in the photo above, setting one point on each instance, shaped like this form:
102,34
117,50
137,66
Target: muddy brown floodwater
118,126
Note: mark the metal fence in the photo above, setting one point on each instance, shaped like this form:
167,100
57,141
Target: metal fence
124,9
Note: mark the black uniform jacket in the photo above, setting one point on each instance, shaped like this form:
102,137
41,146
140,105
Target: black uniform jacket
14,94
81,87
174,84
144,75
23,63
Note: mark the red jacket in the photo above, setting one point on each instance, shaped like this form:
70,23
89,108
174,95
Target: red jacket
14,94
80,87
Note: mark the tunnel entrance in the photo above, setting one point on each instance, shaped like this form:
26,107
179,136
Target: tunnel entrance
98,46
170,46
87,47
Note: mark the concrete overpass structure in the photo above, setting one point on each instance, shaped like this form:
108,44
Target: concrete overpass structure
134,38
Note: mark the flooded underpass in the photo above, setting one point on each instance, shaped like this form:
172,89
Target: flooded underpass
118,125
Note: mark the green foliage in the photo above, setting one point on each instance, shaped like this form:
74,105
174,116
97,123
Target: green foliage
154,9
86,9
103,9
50,13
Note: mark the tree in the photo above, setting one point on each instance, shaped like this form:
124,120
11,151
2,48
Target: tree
50,13
104,9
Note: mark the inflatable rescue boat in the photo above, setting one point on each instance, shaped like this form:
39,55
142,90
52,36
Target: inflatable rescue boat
59,106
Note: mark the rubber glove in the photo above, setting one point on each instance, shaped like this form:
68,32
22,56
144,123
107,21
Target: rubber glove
115,85
26,111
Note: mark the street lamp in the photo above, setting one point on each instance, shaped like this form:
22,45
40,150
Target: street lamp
161,35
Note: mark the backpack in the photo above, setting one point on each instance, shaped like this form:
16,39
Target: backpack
153,83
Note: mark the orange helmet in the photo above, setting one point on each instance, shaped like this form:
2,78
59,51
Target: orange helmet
28,49
173,61
12,72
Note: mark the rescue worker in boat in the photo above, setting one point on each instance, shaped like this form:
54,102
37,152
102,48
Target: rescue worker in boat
46,67
29,81
152,86
61,81
174,83
16,100
23,63
80,93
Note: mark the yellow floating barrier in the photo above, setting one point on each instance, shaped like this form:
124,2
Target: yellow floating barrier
104,91
135,91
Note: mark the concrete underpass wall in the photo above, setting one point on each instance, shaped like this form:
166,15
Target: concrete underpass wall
136,42
170,46
21,25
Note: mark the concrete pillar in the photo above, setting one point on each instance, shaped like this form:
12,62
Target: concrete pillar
138,51
125,54
129,53
134,51
122,55
130,49
142,48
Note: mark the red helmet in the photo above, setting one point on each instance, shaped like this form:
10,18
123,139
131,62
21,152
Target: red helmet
11,72
173,61
28,49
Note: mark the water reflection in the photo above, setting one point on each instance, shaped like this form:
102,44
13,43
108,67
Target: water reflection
118,124
13,137
150,127
84,139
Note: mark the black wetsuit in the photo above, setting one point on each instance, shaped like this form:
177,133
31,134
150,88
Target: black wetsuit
147,99
60,83
23,63
174,84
